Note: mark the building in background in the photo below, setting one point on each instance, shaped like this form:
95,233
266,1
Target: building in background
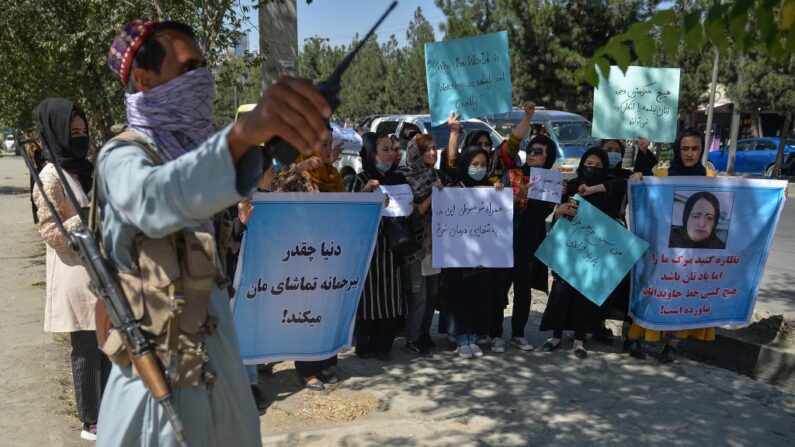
241,46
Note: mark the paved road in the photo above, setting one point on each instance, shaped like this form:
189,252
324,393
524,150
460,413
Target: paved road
777,293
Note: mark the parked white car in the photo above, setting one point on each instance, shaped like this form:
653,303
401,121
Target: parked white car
10,143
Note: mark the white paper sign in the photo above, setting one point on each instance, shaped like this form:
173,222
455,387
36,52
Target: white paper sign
401,200
547,185
351,141
472,227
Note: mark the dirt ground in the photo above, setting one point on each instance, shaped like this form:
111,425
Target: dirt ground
515,398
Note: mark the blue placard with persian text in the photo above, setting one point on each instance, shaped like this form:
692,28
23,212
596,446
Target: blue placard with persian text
592,252
301,271
469,76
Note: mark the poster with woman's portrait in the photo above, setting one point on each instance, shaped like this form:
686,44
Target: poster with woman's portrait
708,244
701,219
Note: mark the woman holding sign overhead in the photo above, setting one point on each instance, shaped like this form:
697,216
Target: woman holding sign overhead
688,149
468,292
530,229
568,309
381,305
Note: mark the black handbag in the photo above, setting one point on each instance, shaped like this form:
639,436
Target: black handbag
398,237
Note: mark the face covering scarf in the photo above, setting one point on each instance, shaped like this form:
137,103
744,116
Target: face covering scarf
178,113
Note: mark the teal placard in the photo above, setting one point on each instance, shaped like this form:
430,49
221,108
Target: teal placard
470,76
643,102
592,252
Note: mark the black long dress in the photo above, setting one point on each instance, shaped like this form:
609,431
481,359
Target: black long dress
530,229
381,305
568,309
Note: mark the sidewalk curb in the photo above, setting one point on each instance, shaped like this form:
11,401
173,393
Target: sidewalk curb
761,362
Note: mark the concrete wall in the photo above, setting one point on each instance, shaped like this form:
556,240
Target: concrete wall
278,36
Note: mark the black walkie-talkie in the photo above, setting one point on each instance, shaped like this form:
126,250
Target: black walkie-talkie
330,88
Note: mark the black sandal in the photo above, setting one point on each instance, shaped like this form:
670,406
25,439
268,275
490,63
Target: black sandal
668,354
330,379
548,346
636,350
580,353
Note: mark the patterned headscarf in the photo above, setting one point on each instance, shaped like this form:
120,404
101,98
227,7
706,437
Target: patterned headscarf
179,113
126,44
420,176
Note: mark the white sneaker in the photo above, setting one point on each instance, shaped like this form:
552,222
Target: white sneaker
476,351
483,340
498,345
522,343
465,351
89,432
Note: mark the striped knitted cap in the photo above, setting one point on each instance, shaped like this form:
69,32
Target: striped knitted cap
126,44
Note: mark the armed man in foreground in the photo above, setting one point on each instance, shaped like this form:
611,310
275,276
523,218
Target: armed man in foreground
159,185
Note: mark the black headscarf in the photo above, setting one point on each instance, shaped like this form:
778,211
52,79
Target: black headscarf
599,199
472,138
54,117
677,166
590,181
679,236
367,153
551,152
462,166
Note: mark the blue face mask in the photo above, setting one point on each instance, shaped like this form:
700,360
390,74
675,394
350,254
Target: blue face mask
614,159
477,174
383,167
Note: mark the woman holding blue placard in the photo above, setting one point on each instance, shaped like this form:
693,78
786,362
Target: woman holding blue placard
688,149
468,292
568,309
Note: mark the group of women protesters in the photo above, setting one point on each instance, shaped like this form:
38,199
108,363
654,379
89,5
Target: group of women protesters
403,290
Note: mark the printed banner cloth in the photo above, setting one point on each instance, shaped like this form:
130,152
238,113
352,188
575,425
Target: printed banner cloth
592,252
470,76
643,102
472,227
709,243
301,271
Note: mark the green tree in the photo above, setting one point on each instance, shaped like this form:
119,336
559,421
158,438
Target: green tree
406,83
746,27
548,41
58,48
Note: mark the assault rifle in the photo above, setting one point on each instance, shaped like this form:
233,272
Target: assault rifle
106,287
329,88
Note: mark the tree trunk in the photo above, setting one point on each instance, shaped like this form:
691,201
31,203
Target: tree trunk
780,153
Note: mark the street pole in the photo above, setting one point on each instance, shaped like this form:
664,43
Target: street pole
711,108
780,152
234,96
